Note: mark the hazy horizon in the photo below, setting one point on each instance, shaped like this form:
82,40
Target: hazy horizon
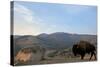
33,18
53,33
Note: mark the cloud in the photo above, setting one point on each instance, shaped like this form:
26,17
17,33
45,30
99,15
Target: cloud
26,21
23,13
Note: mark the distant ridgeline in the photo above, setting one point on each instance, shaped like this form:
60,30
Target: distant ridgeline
54,41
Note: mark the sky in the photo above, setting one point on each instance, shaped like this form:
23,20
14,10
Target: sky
33,18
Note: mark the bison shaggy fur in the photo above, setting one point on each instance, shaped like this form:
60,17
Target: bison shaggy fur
84,47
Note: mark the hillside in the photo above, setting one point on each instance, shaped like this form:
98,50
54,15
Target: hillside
56,40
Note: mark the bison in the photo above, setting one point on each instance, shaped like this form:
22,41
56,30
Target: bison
84,47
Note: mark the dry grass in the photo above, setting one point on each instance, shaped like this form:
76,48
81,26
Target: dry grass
59,59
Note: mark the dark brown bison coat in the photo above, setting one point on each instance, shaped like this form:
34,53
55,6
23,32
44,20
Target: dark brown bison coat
82,48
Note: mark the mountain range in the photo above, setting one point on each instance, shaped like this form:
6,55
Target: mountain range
56,40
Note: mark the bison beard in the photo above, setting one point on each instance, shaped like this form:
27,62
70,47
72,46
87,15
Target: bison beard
84,47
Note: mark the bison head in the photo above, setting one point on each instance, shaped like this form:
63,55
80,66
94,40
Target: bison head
75,49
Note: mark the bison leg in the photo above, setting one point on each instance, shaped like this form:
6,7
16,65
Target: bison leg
91,55
95,56
82,56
